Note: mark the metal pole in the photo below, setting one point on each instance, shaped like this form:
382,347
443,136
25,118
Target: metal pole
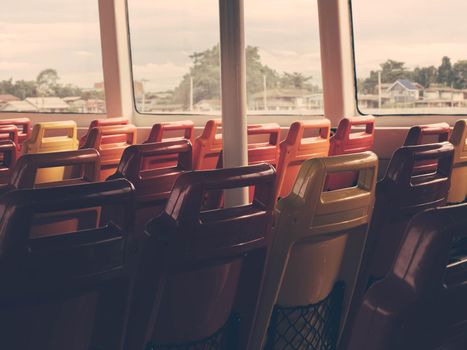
233,83
191,93
379,89
265,94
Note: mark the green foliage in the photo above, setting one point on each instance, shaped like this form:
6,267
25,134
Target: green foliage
459,72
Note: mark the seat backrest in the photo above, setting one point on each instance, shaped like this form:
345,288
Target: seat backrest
417,135
267,150
80,166
401,194
208,146
10,132
8,155
319,237
101,139
201,271
65,255
458,189
171,131
105,122
149,167
421,303
51,137
345,142
24,126
297,148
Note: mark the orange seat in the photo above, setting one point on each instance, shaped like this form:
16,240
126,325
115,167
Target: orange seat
8,154
65,266
417,136
102,139
159,131
208,146
105,122
297,148
24,126
149,167
345,142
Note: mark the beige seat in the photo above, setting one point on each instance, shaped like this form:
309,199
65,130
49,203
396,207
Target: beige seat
458,189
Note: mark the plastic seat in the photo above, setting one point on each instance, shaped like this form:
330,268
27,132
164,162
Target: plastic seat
51,137
208,146
24,126
149,167
105,122
160,131
417,135
65,266
458,189
297,148
10,132
421,303
8,155
312,268
81,166
201,271
102,139
346,142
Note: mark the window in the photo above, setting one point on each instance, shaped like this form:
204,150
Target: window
283,57
50,59
175,54
411,56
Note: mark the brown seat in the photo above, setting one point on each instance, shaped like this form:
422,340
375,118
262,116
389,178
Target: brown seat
110,142
8,154
105,122
149,167
201,271
65,261
421,303
171,131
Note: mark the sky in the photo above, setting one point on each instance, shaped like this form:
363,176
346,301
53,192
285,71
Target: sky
64,34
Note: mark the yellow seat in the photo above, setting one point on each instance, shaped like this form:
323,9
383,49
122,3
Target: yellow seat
458,189
317,247
52,137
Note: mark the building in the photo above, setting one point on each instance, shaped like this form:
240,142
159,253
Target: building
4,99
18,106
49,104
404,91
211,105
285,100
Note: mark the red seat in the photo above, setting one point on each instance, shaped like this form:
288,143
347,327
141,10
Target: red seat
297,148
169,131
65,266
105,122
208,146
149,167
201,271
421,303
110,142
10,132
345,141
8,154
417,136
24,126
399,196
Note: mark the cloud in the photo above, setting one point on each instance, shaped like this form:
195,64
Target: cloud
83,53
161,77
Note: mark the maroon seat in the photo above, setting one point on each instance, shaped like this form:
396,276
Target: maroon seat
23,125
421,303
8,153
201,271
149,167
171,131
399,196
105,122
65,263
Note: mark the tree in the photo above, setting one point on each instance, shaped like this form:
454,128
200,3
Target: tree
391,71
295,80
459,73
425,76
445,73
47,82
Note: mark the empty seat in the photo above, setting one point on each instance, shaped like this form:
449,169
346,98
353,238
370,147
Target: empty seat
171,131
421,303
23,125
423,134
66,255
315,255
208,146
201,271
8,154
298,147
51,137
102,139
149,167
345,142
80,166
458,189
10,132
105,122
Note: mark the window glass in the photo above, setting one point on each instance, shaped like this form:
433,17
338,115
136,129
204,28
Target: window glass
411,56
50,57
175,54
283,57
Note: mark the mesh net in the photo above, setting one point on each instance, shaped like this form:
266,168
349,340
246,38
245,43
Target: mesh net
311,327
224,339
